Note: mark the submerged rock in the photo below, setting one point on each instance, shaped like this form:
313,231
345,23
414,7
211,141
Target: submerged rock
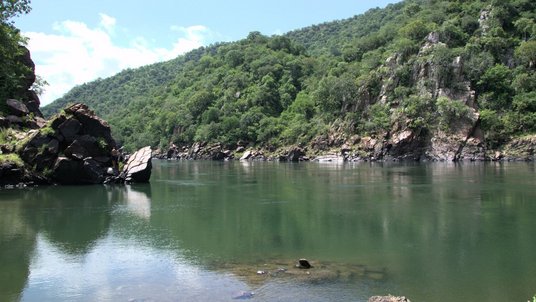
243,295
388,299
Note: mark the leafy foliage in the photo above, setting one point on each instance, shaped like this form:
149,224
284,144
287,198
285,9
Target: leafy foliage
367,72
12,72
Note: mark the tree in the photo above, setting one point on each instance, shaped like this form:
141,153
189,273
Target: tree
13,8
526,53
416,29
525,27
496,88
12,72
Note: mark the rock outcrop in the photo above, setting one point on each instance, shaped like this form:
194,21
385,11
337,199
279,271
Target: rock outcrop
73,148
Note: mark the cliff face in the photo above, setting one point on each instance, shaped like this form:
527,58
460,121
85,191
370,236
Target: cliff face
457,139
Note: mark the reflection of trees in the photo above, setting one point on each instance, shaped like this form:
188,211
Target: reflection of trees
17,242
71,217
435,222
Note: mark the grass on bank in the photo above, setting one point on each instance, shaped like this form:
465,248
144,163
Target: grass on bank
11,158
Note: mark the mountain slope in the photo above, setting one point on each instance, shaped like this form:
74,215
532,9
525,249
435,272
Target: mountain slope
437,79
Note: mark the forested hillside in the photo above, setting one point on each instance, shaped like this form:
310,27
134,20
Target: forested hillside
419,72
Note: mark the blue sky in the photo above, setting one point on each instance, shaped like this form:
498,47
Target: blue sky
74,41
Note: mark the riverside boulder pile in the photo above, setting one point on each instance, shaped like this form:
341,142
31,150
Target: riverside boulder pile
72,148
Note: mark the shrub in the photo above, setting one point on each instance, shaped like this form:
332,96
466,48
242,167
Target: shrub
450,111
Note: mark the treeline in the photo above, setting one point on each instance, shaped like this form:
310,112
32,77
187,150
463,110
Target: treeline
354,76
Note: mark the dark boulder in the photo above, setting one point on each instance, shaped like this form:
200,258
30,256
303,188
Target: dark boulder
69,129
139,166
85,146
295,154
15,120
73,172
17,107
66,171
304,264
10,173
91,124
26,59
218,155
4,122
41,151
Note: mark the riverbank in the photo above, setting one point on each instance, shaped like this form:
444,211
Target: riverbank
363,149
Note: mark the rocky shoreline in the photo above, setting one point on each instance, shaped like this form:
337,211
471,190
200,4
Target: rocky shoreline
364,149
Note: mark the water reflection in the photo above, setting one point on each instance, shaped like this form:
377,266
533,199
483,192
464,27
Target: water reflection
199,230
138,200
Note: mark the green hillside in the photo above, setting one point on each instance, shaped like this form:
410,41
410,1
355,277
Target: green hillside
410,66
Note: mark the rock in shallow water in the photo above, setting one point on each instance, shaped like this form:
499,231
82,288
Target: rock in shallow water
138,167
388,299
243,295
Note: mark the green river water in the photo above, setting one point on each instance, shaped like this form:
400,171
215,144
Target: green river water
200,231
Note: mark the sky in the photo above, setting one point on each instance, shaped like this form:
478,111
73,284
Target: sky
76,41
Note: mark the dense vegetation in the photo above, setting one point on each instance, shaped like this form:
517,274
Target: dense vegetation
333,77
12,71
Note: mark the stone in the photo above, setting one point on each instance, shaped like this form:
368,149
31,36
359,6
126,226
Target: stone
69,129
218,155
246,155
57,121
295,154
388,299
345,149
68,171
329,159
26,59
14,120
33,107
65,169
84,146
17,107
91,124
41,122
10,173
304,264
243,295
4,122
139,166
94,173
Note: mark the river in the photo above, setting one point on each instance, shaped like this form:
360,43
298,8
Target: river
218,231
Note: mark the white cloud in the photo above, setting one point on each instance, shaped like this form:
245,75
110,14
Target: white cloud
76,53
107,22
